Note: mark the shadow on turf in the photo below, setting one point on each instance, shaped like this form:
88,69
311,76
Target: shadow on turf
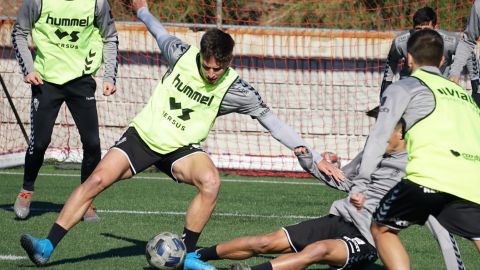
36,208
137,248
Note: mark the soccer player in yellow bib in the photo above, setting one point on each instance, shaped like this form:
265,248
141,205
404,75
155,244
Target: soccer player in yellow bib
199,86
72,39
442,131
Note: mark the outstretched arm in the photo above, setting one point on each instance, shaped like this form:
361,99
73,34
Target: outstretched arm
170,46
244,99
305,159
288,137
396,100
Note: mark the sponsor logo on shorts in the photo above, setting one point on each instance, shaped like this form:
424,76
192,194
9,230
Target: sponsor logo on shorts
427,190
122,140
401,223
36,103
354,243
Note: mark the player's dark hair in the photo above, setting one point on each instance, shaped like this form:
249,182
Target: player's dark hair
424,16
218,44
426,47
400,124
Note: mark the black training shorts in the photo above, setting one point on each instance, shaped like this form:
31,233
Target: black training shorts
330,227
409,203
140,156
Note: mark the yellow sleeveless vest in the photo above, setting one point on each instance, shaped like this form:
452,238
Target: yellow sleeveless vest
68,44
444,147
183,107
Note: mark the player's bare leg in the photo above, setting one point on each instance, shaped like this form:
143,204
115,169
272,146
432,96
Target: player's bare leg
477,244
248,246
390,248
112,167
197,169
332,252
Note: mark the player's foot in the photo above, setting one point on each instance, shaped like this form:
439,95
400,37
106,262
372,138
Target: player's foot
239,266
91,214
38,250
22,204
193,262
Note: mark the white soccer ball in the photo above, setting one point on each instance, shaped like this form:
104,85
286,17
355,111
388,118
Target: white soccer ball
165,251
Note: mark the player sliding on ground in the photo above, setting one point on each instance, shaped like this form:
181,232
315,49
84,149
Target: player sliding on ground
199,86
342,238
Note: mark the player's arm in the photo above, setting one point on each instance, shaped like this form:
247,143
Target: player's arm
170,46
106,25
305,159
391,66
467,44
244,99
27,16
394,103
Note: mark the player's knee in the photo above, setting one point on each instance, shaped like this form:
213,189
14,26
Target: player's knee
262,243
95,183
208,183
379,229
91,146
314,252
38,147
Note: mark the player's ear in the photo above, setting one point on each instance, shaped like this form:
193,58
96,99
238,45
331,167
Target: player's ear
410,62
442,61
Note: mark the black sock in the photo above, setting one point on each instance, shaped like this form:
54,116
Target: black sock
209,253
190,239
263,266
56,234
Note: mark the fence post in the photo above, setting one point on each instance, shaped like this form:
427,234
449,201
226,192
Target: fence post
219,14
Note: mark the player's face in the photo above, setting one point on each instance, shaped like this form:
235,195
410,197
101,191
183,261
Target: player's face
211,69
396,142
428,25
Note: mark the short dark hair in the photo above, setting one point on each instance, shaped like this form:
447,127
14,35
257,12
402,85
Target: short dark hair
424,15
218,44
426,47
374,114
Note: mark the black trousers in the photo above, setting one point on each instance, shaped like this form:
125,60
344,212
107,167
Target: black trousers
79,95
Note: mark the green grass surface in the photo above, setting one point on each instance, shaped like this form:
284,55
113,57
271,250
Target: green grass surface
134,210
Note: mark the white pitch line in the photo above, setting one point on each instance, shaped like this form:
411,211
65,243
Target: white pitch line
167,178
173,213
12,257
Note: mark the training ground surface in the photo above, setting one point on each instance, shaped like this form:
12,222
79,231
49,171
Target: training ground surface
134,210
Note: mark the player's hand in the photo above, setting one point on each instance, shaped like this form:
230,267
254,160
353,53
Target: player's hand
108,89
138,4
331,170
300,150
454,78
33,78
357,199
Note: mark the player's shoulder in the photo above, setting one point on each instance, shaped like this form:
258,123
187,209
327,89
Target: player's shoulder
242,88
402,37
407,84
448,37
